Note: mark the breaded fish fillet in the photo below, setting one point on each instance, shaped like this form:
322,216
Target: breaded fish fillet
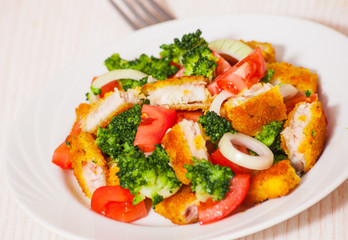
274,182
182,142
304,135
182,93
267,50
181,208
88,163
301,78
251,109
105,109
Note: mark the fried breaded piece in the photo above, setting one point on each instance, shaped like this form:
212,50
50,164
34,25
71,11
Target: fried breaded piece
181,93
267,50
102,111
301,78
181,208
112,178
88,163
80,111
182,142
254,112
274,182
304,135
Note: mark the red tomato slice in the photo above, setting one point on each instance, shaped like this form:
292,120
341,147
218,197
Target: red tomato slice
222,64
180,73
155,123
61,156
116,203
188,115
125,211
218,158
212,211
109,87
244,74
290,104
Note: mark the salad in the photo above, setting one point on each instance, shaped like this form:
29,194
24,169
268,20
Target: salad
202,130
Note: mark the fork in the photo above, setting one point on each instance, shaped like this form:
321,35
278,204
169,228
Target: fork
141,13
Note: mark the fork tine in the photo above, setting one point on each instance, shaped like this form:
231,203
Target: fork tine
166,16
149,14
125,17
137,14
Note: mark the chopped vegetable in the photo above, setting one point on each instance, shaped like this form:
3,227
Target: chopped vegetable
159,68
215,126
211,211
209,180
154,124
116,203
173,52
146,177
120,130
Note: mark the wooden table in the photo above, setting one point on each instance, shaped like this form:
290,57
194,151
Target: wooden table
39,38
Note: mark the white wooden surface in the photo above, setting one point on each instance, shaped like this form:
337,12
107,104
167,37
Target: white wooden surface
38,38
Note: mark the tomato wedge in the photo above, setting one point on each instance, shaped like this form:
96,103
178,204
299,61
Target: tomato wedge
61,156
116,203
180,73
211,211
290,104
109,87
244,74
218,158
154,124
188,115
222,64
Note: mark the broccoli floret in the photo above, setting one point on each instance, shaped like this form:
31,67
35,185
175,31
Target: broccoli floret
131,83
215,126
159,68
146,177
120,130
269,132
209,180
173,52
270,136
268,76
199,61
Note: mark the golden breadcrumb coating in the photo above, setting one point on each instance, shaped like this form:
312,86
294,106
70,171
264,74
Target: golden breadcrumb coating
274,182
112,178
181,208
250,116
85,152
80,111
95,108
301,78
267,50
314,132
176,146
172,81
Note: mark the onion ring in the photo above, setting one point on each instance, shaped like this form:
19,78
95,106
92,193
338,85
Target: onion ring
263,161
218,100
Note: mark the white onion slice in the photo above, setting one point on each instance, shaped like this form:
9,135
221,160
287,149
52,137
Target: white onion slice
218,100
287,91
116,75
263,161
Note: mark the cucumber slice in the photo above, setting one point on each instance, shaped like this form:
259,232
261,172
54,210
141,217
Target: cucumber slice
234,48
116,75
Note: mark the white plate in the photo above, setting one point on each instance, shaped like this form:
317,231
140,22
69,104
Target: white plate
51,195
